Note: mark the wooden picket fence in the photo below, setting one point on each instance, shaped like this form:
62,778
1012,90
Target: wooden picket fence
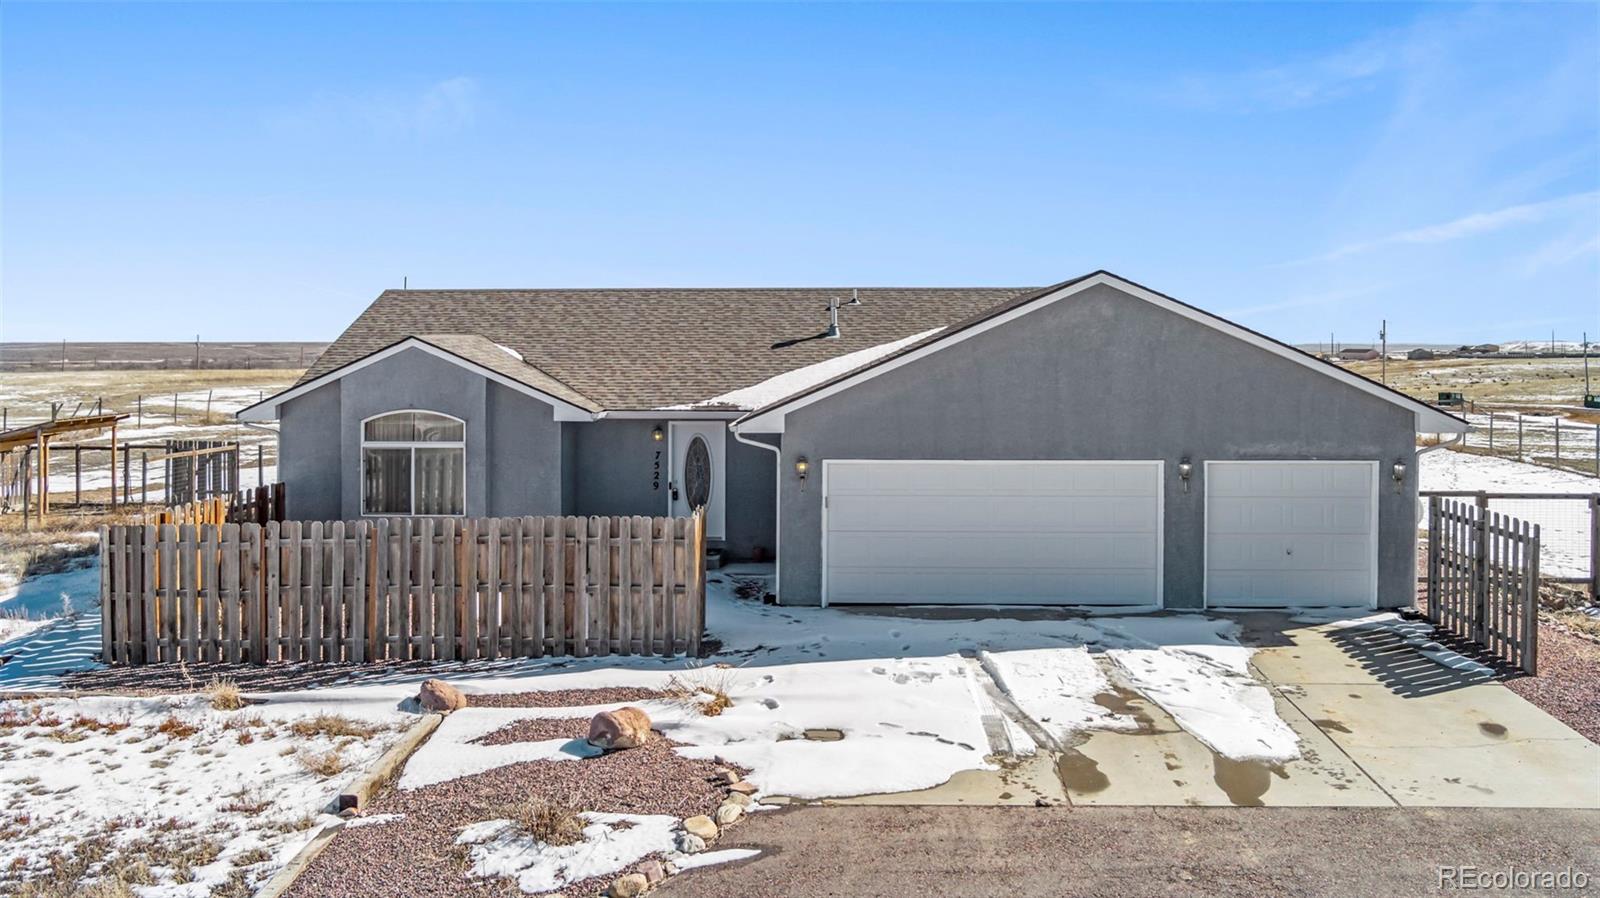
402,589
1483,580
257,505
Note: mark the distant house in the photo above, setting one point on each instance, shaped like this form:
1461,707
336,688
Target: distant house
1420,355
949,446
1358,354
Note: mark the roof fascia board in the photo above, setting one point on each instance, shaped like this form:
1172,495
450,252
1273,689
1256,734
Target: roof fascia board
264,410
1427,419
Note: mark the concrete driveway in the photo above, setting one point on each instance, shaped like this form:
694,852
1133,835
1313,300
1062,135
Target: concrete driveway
1380,725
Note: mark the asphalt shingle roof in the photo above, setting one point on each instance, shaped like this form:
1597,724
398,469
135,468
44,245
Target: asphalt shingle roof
648,349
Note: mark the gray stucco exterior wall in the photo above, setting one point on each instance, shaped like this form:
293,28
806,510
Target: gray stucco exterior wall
615,462
308,454
519,459
1103,375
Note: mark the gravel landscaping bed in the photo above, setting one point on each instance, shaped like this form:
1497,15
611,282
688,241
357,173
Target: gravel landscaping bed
1568,685
564,698
416,855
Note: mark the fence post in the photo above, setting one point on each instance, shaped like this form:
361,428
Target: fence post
1530,628
1434,509
1480,572
1558,437
1519,436
1491,433
1594,547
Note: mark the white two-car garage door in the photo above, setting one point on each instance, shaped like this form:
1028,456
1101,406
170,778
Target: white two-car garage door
992,532
1291,533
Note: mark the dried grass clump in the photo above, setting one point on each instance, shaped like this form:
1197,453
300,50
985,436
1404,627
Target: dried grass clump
703,690
224,695
333,726
176,728
323,763
547,821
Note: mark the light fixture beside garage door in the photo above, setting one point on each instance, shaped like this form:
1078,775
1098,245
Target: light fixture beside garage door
1185,471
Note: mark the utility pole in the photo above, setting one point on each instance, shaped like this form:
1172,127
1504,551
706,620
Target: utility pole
63,355
197,352
1586,393
1383,338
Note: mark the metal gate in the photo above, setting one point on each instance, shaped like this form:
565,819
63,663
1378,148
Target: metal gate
1483,580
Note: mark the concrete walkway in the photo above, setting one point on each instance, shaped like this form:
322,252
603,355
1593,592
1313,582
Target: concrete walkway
1380,725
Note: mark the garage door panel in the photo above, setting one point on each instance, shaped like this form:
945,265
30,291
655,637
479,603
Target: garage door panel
993,532
1290,533
1000,587
965,513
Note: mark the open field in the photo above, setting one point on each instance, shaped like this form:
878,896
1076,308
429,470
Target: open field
1508,382
179,355
161,404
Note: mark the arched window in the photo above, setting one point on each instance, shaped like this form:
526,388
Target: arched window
413,463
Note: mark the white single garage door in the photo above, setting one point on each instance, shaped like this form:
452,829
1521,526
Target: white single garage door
1291,533
992,532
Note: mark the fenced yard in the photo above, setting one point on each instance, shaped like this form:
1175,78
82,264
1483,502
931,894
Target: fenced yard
403,589
1483,579
1550,440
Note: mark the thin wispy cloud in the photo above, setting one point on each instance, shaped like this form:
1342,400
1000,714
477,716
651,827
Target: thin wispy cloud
1466,226
1295,84
1331,297
444,107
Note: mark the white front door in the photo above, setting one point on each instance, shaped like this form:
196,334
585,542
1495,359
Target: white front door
1291,533
992,532
697,450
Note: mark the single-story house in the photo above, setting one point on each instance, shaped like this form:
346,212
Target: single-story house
1358,354
1093,442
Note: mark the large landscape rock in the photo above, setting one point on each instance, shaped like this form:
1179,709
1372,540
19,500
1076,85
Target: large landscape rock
623,728
729,812
437,695
689,843
628,885
700,825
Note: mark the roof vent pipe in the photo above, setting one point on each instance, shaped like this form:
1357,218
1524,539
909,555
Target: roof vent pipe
832,333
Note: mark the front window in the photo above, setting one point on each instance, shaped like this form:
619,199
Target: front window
413,463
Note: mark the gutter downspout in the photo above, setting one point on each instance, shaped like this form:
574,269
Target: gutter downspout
777,509
1459,439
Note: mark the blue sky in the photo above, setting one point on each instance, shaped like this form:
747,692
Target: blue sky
263,171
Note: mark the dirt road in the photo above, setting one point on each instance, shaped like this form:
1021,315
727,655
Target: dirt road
862,852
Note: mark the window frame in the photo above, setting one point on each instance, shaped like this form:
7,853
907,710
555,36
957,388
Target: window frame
412,446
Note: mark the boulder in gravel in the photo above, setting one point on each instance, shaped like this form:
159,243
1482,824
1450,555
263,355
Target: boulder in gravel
729,812
623,728
689,843
652,871
744,787
700,825
725,777
437,695
628,885
738,798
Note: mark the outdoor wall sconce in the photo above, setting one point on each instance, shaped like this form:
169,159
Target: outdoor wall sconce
657,435
802,467
1399,474
1185,471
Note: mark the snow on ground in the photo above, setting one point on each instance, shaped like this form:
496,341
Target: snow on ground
791,382
49,624
500,850
913,717
199,795
1563,523
1057,688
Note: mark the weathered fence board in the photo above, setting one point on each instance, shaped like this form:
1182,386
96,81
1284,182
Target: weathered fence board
402,589
1483,579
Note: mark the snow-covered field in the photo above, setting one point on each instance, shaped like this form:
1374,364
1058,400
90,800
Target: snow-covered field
1563,523
173,796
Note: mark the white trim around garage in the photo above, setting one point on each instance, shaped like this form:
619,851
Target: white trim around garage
1160,469
1428,419
263,411
1372,521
